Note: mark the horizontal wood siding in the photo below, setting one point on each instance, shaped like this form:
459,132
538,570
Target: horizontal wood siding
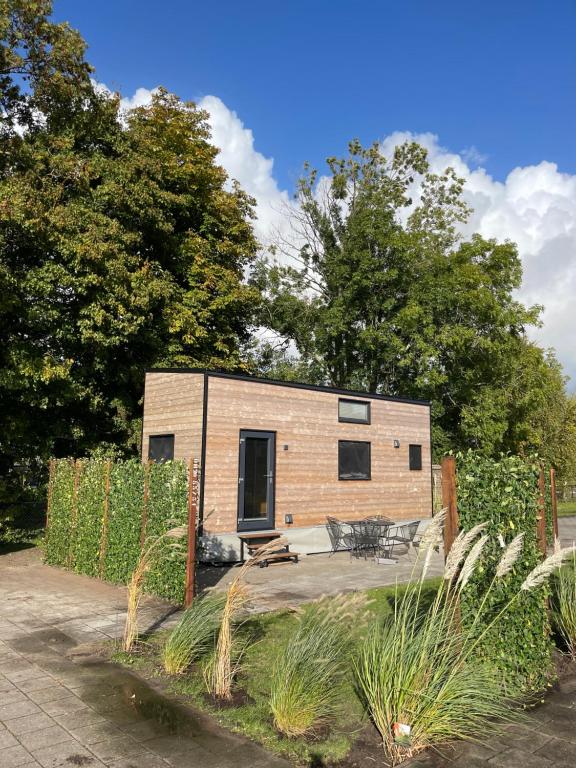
173,404
307,484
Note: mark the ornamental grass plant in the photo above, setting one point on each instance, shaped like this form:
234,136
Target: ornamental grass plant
305,683
223,668
563,605
147,558
418,673
195,635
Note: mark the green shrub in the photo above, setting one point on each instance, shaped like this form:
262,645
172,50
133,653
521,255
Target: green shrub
195,634
125,505
167,507
89,514
57,544
76,536
563,604
505,493
306,680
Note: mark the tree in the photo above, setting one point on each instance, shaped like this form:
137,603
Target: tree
377,293
122,247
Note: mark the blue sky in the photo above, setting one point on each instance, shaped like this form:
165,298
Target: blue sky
488,87
308,76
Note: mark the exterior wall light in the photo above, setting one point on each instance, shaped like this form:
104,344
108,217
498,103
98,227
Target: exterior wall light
288,519
396,443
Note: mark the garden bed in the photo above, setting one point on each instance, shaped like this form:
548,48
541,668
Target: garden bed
350,741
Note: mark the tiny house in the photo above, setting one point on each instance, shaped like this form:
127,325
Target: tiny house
283,456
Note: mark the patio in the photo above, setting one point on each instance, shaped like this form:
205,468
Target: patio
287,584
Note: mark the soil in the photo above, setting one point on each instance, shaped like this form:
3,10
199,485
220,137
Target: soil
366,750
238,699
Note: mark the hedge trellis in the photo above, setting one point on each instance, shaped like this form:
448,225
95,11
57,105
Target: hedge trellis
101,512
505,494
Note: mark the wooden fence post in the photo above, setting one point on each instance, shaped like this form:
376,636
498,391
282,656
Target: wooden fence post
74,512
50,489
144,522
449,502
104,532
541,519
554,500
192,518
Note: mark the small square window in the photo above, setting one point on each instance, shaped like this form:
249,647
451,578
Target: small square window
415,455
161,448
353,411
353,460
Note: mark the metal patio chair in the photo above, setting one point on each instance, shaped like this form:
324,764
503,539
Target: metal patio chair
367,535
404,535
341,535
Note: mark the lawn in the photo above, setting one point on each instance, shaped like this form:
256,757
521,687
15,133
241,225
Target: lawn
566,508
251,716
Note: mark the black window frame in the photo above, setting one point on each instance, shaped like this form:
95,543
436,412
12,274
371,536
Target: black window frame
351,420
163,436
415,457
364,477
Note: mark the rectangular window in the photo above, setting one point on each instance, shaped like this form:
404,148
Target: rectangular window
353,460
415,452
161,448
353,411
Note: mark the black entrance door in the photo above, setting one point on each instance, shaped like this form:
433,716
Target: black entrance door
256,480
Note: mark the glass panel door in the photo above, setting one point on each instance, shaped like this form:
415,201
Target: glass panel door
256,481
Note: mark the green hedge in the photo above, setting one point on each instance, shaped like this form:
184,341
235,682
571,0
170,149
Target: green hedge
505,494
78,538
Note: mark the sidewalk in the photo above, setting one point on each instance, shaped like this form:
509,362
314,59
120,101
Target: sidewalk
59,711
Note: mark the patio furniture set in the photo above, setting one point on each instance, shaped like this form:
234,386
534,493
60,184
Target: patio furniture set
375,537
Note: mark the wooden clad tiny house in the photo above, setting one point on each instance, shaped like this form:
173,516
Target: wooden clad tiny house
284,456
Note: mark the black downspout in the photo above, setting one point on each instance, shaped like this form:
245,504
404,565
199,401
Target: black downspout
203,454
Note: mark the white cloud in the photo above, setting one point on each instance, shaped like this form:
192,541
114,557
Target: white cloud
249,167
535,206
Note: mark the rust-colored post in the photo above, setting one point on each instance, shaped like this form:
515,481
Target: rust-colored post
554,500
74,512
449,502
50,489
541,519
144,523
192,518
104,532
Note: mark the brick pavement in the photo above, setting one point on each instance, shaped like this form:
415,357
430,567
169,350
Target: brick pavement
62,710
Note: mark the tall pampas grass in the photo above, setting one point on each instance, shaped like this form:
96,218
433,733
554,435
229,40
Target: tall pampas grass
145,562
542,572
471,561
223,668
417,672
510,556
432,538
459,550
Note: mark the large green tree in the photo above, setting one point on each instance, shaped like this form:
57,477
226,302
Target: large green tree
375,292
122,246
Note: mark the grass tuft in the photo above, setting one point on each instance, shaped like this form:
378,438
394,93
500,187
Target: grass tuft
195,635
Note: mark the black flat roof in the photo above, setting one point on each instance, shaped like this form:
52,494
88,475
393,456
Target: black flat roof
293,384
